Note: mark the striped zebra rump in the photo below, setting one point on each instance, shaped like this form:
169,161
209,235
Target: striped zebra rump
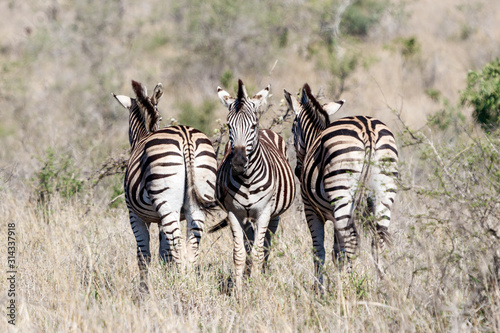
347,167
358,170
174,161
170,176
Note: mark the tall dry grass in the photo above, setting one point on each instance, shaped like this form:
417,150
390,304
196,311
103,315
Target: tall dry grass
78,272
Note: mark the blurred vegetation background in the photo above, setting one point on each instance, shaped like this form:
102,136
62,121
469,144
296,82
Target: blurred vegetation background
429,69
60,61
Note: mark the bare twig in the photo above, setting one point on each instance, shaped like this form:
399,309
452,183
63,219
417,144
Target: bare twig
445,169
116,198
112,166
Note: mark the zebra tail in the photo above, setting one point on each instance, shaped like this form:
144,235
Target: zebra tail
363,182
221,225
361,195
207,206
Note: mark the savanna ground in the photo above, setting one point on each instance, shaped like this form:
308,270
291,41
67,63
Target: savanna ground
63,140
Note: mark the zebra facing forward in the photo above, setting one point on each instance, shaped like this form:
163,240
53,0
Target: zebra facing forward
255,182
340,164
170,174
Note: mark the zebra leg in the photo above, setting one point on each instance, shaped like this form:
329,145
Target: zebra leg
271,230
249,234
239,253
383,188
141,233
170,236
195,218
346,239
261,229
317,230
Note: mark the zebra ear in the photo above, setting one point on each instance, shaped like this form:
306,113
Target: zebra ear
306,91
332,107
292,103
140,90
124,101
224,97
157,94
261,97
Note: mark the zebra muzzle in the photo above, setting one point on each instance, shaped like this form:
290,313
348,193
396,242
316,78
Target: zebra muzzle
239,161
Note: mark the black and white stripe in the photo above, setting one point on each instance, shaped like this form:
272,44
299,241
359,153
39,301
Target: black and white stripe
170,175
255,183
343,165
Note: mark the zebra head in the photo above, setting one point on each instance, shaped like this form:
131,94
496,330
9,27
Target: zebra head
242,123
146,106
144,116
311,118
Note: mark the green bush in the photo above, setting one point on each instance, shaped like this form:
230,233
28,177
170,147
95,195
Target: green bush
226,78
361,16
483,94
57,175
199,117
448,117
410,47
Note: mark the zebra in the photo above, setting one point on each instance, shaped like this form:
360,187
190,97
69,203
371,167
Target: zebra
340,164
255,182
170,176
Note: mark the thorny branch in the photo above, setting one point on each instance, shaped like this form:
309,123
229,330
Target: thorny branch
112,166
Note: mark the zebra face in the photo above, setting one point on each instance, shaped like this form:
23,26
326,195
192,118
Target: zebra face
243,124
243,137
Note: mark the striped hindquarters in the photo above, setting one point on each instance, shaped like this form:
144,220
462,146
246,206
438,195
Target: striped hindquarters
353,158
166,163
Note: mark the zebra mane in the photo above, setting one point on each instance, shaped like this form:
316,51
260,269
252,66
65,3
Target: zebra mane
150,115
311,105
242,96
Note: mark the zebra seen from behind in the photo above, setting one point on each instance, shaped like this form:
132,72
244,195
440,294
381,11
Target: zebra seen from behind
170,175
255,183
340,164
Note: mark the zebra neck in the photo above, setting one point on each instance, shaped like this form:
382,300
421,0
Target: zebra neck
311,137
137,129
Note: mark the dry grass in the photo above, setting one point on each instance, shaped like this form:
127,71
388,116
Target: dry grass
78,272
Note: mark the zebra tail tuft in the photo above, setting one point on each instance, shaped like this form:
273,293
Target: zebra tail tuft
221,225
207,206
385,237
